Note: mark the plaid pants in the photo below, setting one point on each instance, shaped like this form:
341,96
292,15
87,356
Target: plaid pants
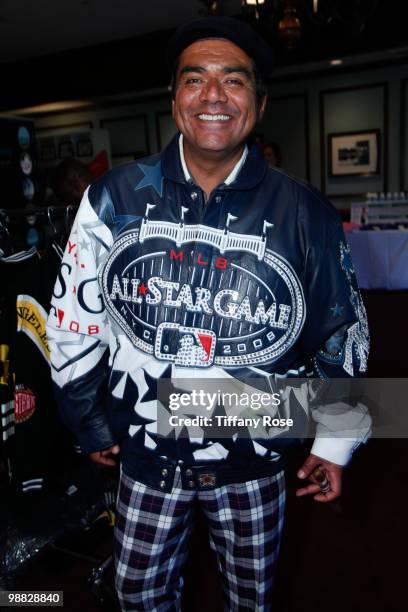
151,535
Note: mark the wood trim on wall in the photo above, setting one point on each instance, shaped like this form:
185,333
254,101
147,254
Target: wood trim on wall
307,135
158,134
338,196
305,98
403,140
323,158
65,126
104,121
102,104
386,138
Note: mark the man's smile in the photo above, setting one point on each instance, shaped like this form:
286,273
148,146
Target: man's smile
213,117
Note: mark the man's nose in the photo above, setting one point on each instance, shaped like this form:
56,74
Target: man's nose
213,91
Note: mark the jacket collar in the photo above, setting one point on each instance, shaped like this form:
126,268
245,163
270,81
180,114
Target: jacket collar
250,173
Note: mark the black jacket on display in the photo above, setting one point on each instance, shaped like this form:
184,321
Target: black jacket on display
30,428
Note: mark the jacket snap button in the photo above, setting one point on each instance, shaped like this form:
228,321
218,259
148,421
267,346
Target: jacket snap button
180,462
191,484
164,472
189,472
194,195
162,484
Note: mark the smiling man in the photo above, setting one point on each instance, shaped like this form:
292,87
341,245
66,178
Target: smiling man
202,263
215,107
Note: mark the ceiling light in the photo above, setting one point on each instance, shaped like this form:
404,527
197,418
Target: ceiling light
211,7
253,7
289,28
336,62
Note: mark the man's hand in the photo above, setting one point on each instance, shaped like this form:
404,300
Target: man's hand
103,456
333,473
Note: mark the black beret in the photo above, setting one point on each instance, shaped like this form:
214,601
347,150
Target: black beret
238,32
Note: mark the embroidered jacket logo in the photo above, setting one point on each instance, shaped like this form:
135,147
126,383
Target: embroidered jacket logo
187,302
31,319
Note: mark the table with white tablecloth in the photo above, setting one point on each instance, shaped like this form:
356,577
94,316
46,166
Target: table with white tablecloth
380,258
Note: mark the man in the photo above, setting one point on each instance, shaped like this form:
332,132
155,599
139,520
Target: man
202,262
273,154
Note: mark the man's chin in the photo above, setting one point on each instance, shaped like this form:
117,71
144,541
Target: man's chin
212,145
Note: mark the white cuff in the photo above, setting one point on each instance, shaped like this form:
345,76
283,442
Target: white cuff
337,450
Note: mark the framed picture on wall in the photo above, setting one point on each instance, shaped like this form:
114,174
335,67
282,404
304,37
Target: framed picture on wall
48,151
65,149
84,147
354,153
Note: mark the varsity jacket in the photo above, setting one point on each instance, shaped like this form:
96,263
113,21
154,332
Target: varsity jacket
157,284
30,429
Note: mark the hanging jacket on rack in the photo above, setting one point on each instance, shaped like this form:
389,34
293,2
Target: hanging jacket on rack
31,430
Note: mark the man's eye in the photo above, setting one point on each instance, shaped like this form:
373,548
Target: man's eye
193,80
234,81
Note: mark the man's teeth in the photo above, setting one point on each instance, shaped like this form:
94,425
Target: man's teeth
206,117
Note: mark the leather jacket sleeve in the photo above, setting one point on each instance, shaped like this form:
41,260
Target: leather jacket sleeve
77,331
336,346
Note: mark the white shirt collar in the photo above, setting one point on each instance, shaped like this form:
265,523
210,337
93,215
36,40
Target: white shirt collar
232,175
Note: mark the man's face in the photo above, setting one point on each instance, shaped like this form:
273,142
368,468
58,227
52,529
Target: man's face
215,105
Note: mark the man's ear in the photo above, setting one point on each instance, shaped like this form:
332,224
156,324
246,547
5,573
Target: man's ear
262,107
